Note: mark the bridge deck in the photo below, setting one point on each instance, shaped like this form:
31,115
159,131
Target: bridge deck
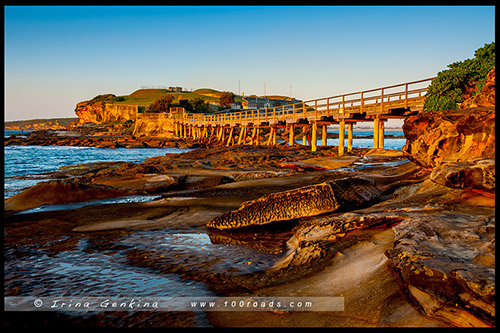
377,105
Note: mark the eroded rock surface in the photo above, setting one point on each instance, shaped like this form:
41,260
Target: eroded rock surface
450,136
312,200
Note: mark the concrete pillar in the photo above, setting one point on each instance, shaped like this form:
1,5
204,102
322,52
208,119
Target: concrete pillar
275,130
341,136
349,137
257,136
381,135
376,127
304,137
314,136
323,136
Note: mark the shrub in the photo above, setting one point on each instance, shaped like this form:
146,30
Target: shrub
161,105
462,80
226,99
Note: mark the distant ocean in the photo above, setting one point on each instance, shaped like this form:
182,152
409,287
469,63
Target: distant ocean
31,160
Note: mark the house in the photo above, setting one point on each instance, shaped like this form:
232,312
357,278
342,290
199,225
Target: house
175,89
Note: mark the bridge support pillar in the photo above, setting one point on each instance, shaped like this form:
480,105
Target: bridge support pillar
314,138
341,136
230,138
270,137
323,136
257,136
304,137
220,135
243,133
381,135
291,135
376,126
349,137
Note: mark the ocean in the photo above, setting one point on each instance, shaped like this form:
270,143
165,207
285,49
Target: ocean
29,161
22,164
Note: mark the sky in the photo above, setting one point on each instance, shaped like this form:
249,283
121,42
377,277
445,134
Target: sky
57,56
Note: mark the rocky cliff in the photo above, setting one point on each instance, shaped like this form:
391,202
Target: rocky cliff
446,256
467,134
101,112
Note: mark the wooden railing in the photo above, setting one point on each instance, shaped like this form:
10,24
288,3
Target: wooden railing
369,102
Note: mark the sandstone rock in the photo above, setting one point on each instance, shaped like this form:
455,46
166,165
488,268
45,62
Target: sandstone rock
473,175
148,183
445,259
345,193
450,136
59,192
90,113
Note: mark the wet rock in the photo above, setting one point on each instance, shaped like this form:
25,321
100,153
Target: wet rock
59,192
152,183
345,193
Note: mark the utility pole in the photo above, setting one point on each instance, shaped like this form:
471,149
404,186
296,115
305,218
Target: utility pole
239,90
290,91
264,90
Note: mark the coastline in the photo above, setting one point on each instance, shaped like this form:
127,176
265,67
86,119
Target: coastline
205,183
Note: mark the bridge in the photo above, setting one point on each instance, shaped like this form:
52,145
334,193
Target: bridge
302,120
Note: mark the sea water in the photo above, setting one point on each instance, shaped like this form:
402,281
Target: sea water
31,161
367,142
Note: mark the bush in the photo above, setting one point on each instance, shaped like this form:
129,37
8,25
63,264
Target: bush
226,99
161,105
462,80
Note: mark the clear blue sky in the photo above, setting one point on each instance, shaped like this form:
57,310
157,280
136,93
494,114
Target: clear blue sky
56,56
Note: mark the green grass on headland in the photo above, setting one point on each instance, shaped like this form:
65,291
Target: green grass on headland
144,97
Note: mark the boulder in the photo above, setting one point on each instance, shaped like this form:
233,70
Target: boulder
344,193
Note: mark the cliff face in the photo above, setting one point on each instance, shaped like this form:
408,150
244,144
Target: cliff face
100,113
456,135
90,113
149,124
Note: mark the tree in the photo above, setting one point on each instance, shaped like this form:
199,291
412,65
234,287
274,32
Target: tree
199,105
226,99
462,80
161,105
